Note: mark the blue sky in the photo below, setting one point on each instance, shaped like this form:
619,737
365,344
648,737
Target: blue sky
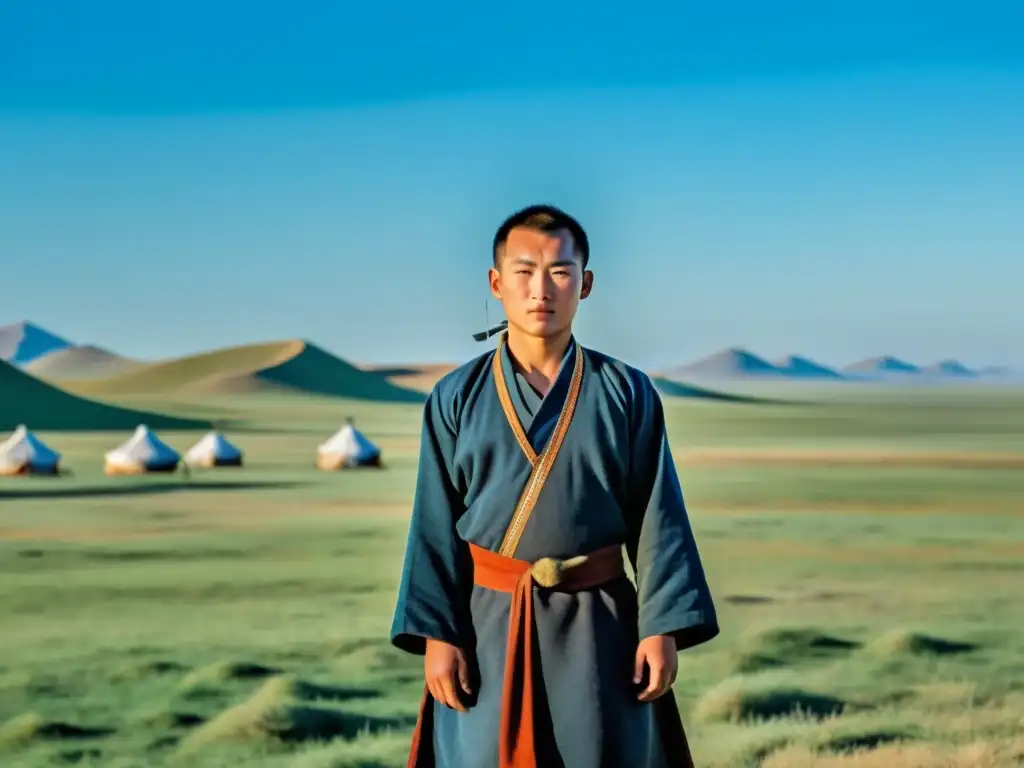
833,179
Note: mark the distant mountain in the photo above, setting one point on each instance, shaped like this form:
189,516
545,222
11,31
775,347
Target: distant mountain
85,362
21,343
730,363
949,368
884,365
996,370
803,368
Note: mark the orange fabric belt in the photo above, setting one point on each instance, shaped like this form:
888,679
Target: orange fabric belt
517,747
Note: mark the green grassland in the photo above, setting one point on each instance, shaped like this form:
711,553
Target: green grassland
866,552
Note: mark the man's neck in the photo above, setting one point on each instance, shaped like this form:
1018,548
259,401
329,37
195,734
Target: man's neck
539,358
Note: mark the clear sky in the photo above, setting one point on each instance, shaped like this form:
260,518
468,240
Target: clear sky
833,179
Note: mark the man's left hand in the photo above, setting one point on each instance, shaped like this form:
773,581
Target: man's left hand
659,655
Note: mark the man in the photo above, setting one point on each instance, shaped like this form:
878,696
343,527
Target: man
539,461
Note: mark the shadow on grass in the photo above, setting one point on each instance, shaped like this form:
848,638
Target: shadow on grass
303,690
748,599
147,489
904,643
79,755
871,740
735,701
313,724
31,728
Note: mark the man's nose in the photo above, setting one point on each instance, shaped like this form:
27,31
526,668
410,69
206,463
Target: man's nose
542,285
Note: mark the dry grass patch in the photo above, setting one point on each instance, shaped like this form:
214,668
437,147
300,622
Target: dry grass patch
225,671
141,670
789,549
976,755
854,506
726,457
741,699
281,712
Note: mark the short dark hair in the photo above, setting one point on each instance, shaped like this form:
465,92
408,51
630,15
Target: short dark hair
542,218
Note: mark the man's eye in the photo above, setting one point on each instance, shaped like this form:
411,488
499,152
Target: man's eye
522,271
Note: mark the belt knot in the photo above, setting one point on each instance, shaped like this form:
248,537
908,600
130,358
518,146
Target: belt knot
550,572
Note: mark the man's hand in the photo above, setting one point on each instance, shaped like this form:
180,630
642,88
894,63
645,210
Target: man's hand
446,669
659,654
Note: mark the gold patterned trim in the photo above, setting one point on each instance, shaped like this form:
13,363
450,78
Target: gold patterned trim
542,467
510,410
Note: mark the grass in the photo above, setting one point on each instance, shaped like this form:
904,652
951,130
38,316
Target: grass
871,612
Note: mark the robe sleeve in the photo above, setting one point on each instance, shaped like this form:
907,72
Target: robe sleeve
432,596
672,589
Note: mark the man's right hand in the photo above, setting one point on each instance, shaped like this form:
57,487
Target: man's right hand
446,670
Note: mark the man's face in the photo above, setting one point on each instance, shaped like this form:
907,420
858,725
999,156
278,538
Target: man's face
540,281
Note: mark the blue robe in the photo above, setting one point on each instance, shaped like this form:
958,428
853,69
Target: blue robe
613,482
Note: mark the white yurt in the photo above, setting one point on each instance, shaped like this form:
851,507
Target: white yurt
25,454
143,452
348,448
214,450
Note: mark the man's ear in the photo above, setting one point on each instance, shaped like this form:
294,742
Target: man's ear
494,280
588,283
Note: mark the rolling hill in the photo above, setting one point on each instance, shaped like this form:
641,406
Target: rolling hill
799,367
284,366
421,377
21,343
678,389
881,366
730,363
25,399
85,362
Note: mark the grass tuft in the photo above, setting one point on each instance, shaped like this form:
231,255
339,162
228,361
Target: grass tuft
147,669
787,646
740,699
225,671
903,643
277,714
